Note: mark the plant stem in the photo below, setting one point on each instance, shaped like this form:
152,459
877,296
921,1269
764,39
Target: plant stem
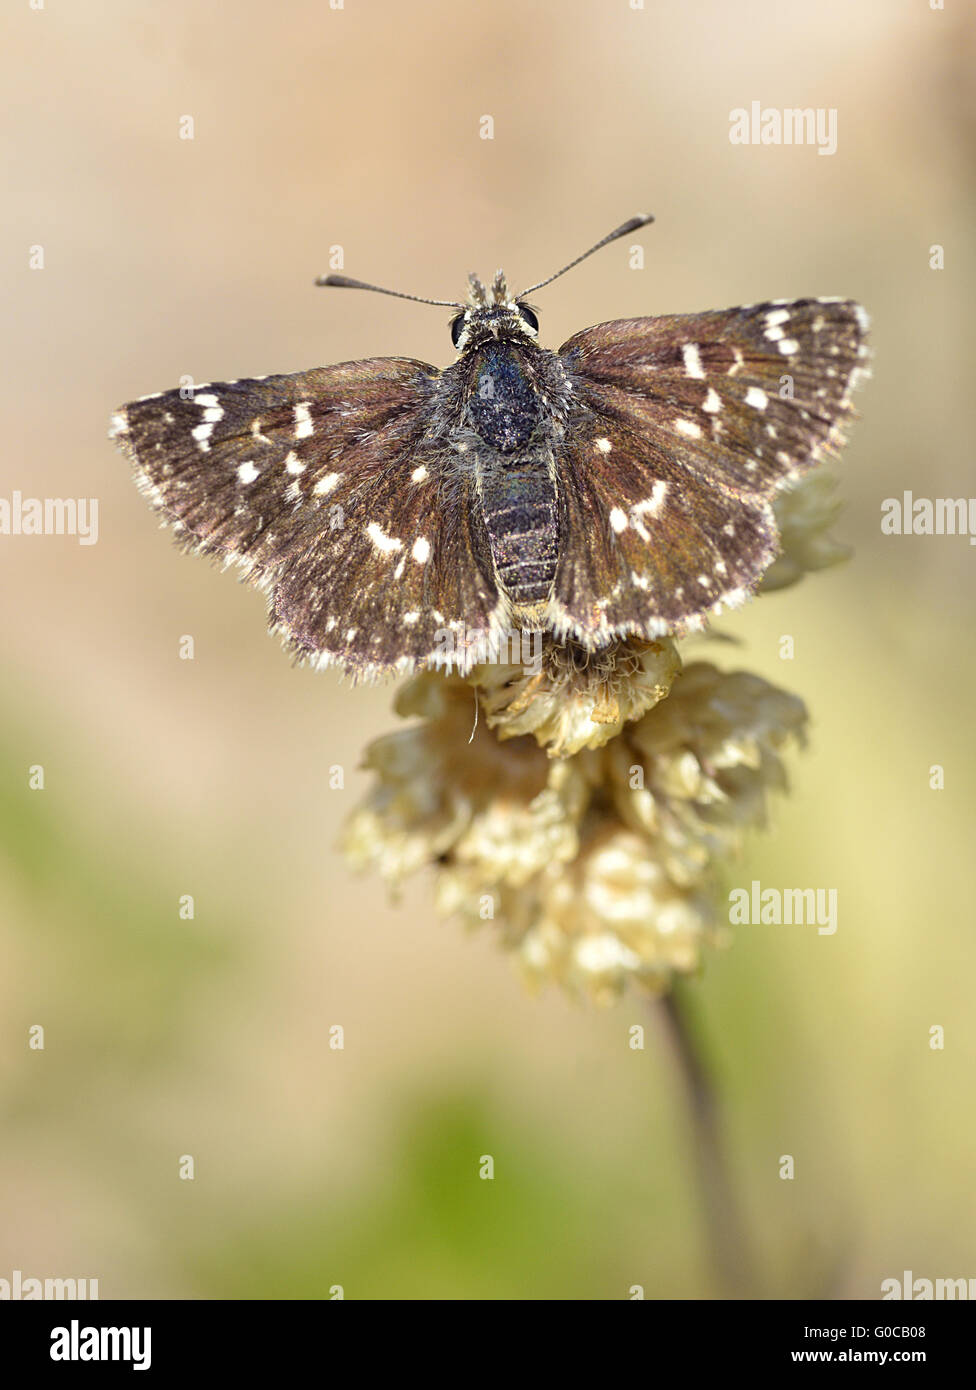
730,1247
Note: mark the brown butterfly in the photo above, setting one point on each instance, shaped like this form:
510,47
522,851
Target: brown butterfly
399,515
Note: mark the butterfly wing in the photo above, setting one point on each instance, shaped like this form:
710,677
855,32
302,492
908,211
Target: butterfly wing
687,425
326,488
406,581
663,547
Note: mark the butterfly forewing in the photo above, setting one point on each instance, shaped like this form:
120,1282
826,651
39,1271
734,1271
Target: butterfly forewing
748,398
685,428
327,488
229,463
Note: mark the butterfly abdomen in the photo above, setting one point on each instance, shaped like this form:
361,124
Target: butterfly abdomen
519,502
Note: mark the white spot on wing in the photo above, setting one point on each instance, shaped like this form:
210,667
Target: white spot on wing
757,398
618,520
247,472
653,504
603,445
419,475
421,550
293,464
383,542
326,484
688,427
693,362
303,422
713,401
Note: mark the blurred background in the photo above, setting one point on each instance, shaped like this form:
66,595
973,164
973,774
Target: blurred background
360,127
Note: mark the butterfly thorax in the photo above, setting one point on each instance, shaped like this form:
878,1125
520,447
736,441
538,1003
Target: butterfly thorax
504,407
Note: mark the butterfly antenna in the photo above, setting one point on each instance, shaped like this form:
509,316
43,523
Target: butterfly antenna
641,220
343,282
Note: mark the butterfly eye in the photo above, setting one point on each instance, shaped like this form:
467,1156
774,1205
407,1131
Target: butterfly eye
528,317
457,328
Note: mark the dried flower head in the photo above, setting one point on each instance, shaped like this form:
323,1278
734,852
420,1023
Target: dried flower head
583,804
576,699
597,868
803,515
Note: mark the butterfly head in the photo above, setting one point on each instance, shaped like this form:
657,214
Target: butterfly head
492,313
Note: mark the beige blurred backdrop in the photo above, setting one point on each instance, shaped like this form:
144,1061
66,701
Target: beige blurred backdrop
359,127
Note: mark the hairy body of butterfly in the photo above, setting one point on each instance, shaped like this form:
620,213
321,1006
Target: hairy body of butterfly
620,486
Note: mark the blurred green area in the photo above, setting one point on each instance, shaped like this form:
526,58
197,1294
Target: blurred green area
164,1037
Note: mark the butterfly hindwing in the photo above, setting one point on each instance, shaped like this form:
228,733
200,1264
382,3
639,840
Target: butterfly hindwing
407,580
663,549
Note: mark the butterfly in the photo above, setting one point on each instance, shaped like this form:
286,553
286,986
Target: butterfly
399,516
